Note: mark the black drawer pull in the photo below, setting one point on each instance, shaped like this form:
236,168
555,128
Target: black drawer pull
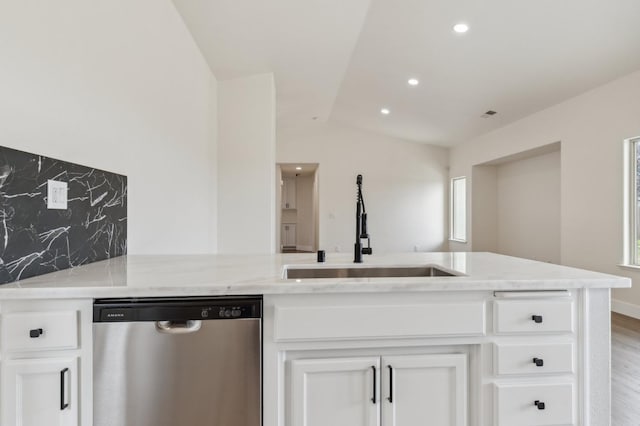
63,390
539,362
390,398
374,398
539,404
35,333
536,318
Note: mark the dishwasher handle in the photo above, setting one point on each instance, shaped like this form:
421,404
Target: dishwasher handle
178,327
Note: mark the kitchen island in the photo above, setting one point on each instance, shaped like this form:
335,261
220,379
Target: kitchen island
504,341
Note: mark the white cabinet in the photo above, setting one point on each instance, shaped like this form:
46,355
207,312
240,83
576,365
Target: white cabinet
46,351
288,237
336,392
370,359
546,353
387,390
453,358
289,193
38,392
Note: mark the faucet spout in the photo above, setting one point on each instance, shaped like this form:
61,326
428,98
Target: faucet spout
361,226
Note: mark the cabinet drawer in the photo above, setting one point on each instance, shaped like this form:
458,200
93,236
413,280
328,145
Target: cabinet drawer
534,359
379,321
533,316
515,405
35,331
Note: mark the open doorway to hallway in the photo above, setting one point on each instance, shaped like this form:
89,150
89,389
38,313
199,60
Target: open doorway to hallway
297,212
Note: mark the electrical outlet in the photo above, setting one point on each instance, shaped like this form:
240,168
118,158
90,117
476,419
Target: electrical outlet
56,195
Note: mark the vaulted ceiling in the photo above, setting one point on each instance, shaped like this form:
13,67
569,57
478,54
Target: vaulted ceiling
344,61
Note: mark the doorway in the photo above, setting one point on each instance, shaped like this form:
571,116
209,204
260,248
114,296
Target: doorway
297,213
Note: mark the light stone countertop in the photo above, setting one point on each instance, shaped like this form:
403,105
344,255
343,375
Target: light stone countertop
204,275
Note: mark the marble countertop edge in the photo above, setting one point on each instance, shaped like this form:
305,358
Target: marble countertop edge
216,275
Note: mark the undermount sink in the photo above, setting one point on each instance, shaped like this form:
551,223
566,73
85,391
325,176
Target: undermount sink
366,272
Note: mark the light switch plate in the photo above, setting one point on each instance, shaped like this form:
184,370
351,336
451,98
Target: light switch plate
56,195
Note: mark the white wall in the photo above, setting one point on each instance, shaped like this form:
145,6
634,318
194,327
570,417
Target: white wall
212,185
316,211
305,238
120,86
484,220
404,186
528,207
278,186
246,165
591,128
508,215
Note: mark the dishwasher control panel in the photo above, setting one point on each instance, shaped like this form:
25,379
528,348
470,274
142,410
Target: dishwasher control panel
158,309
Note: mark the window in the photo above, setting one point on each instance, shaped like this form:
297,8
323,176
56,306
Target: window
632,231
458,209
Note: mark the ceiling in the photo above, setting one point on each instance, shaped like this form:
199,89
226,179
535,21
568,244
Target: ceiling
291,169
337,60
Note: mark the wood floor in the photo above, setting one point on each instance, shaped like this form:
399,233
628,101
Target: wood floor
625,371
293,250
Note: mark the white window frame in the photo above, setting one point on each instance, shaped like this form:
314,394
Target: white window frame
631,222
452,208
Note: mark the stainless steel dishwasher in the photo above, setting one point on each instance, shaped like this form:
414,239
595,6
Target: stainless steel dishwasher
177,362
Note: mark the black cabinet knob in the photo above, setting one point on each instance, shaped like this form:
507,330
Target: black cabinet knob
536,318
539,362
539,404
36,332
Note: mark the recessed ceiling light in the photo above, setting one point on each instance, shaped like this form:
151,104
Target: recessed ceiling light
385,111
298,168
461,28
413,82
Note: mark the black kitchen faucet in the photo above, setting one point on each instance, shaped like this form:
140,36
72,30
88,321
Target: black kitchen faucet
361,226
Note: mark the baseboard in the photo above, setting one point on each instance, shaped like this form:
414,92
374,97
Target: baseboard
304,248
625,308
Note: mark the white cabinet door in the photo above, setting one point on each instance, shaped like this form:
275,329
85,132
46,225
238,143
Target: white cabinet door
288,235
335,392
424,390
37,392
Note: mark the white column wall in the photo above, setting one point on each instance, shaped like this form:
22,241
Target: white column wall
246,165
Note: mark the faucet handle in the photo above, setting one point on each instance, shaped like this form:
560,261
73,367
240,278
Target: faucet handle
367,249
363,226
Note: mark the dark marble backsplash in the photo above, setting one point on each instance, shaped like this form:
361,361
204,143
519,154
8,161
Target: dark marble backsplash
35,240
